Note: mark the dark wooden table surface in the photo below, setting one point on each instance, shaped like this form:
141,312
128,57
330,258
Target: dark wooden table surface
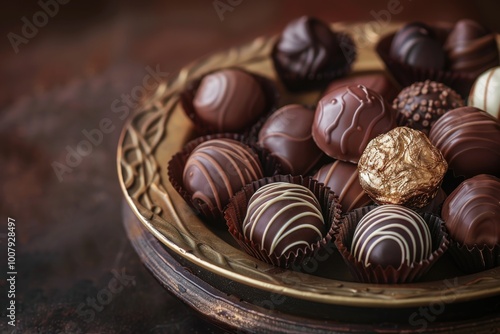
59,79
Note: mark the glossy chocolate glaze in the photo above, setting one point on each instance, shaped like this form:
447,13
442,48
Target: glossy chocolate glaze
422,103
469,139
472,211
347,119
283,217
287,135
391,235
229,100
217,169
342,178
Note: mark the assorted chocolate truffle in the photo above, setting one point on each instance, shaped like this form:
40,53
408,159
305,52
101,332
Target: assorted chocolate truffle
347,118
471,48
216,169
472,212
286,134
469,140
417,45
309,54
391,235
485,94
229,100
342,178
282,218
422,103
379,82
402,167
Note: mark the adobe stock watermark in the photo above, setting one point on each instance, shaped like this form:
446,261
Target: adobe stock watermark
425,315
30,28
121,107
105,296
223,6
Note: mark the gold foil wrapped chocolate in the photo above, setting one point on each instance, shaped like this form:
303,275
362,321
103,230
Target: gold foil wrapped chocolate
401,167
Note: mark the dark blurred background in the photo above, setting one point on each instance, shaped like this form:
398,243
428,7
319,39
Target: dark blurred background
63,80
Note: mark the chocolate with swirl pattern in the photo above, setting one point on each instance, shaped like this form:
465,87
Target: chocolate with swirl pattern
391,235
471,48
229,100
309,54
469,139
347,118
217,169
282,218
472,212
287,135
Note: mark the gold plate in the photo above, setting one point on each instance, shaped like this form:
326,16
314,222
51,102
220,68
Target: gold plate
160,129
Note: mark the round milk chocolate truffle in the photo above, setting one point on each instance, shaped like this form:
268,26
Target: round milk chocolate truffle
471,48
282,218
422,103
485,94
472,212
217,169
309,54
469,140
416,45
347,119
402,167
287,135
391,235
229,100
342,178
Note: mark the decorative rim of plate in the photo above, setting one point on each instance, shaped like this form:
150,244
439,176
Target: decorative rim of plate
164,213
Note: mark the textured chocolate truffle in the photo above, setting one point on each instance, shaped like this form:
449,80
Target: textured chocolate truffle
401,167
471,48
379,82
229,100
283,217
347,119
287,135
309,54
342,178
485,93
472,212
422,103
416,45
391,235
469,140
217,169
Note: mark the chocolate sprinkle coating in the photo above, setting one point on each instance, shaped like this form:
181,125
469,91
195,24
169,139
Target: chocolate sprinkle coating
469,139
391,235
217,169
283,217
422,103
402,167
472,212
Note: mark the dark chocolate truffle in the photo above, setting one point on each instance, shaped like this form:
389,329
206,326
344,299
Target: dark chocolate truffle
217,169
469,140
472,212
422,103
229,100
379,82
471,48
391,235
309,54
282,218
347,119
401,167
342,178
416,45
287,135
